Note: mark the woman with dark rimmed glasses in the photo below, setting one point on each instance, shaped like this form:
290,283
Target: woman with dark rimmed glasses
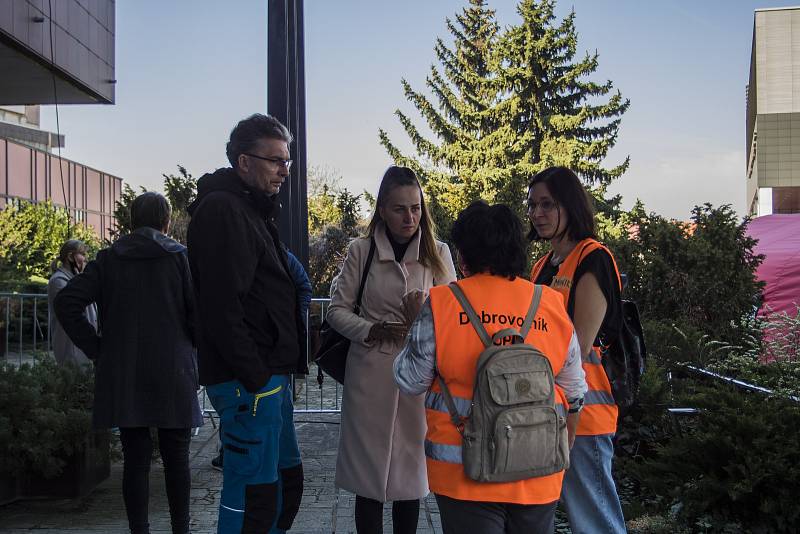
586,275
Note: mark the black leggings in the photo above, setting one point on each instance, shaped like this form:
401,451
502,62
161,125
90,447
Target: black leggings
137,451
369,516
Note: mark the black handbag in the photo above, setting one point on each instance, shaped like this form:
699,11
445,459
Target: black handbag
331,356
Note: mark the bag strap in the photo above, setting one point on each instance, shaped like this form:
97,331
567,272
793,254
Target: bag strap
527,323
534,307
611,256
357,307
457,419
583,249
486,339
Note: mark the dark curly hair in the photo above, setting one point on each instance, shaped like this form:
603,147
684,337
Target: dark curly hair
245,135
490,239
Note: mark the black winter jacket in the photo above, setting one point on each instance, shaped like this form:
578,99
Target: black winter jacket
250,325
146,371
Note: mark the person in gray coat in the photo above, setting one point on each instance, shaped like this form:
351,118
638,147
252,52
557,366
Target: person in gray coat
71,261
146,371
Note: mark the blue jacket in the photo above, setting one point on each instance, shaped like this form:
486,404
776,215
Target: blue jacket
302,284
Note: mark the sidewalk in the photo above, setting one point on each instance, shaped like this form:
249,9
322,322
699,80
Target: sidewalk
324,508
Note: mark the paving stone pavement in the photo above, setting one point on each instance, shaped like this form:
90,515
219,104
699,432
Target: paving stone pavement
324,508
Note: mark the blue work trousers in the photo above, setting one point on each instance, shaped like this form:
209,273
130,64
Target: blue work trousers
262,473
589,493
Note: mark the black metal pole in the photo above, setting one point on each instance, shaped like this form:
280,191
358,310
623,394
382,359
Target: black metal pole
286,101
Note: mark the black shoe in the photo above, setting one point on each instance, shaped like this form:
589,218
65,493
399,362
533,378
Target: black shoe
216,462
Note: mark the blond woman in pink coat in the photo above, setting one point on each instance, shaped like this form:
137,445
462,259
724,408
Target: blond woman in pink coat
381,455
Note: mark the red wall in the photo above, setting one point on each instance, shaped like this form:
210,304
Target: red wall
31,174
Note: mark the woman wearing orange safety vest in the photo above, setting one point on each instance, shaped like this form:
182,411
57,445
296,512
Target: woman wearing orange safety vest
584,272
491,248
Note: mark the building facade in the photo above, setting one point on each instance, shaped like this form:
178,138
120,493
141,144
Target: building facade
28,173
773,113
52,53
21,124
63,56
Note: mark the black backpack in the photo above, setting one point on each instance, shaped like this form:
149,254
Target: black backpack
624,358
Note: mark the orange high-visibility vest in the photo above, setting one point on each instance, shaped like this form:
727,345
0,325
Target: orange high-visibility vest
599,414
500,303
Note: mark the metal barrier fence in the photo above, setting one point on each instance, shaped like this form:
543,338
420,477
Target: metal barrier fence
738,384
679,413
310,395
24,326
25,332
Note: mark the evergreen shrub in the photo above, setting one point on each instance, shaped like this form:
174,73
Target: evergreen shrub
734,467
45,416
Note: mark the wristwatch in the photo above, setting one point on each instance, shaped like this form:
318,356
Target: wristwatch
575,405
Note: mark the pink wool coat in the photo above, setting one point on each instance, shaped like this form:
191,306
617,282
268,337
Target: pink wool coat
381,438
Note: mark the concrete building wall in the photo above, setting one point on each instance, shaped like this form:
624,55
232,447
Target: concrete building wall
777,60
81,56
54,52
35,175
21,124
22,115
778,156
773,112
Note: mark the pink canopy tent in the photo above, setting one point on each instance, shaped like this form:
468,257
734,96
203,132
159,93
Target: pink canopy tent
779,240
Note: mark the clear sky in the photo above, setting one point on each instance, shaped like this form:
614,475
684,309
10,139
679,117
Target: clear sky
188,70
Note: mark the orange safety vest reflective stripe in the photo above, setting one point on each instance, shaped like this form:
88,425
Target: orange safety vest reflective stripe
599,414
500,303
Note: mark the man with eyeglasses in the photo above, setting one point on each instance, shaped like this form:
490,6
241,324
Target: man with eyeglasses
251,331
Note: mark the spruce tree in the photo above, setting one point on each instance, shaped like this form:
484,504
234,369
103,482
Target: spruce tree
509,104
462,163
560,117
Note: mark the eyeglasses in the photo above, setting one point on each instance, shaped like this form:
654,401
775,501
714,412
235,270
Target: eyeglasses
546,205
287,163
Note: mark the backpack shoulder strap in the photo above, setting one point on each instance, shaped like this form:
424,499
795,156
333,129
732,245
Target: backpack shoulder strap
534,307
457,420
589,243
486,339
527,323
601,246
367,264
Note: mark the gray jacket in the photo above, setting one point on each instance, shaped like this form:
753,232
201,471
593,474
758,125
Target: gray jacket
64,349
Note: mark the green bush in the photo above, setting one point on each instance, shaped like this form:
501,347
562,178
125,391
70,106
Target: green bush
334,215
699,276
45,415
641,430
30,238
180,189
781,339
770,360
734,467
